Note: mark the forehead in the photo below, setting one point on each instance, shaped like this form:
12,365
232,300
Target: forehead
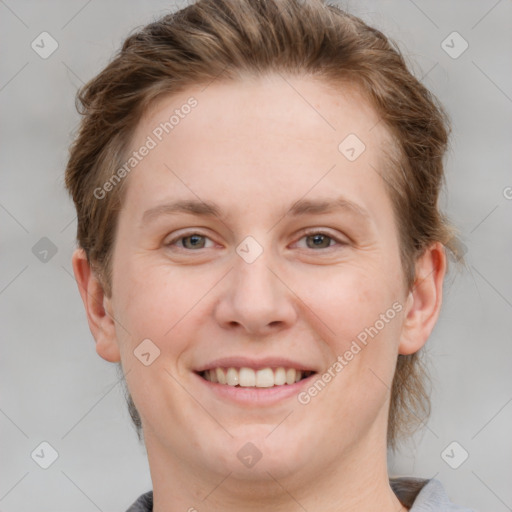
275,135
303,106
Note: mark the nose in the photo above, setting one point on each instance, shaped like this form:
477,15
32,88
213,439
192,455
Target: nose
255,298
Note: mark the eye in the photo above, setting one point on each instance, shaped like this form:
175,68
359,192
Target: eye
189,241
320,240
314,240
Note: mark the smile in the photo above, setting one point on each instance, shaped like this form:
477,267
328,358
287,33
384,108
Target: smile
247,377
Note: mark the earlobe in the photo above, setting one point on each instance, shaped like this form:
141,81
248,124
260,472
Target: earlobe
424,300
98,308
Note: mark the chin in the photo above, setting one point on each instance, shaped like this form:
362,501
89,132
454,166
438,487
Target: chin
257,450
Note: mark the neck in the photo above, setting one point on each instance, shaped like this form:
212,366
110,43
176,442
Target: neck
356,479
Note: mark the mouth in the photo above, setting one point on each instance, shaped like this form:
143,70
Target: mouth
245,377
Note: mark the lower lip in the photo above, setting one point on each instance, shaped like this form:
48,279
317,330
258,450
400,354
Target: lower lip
256,396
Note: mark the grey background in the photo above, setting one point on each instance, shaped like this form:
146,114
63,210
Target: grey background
54,386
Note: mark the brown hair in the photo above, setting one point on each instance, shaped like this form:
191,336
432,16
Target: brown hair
234,38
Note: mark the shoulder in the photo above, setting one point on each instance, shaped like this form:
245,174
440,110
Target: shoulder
422,495
419,495
143,504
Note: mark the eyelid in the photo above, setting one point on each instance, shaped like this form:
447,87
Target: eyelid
186,234
304,233
323,231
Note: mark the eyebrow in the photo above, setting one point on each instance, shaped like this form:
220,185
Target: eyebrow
211,209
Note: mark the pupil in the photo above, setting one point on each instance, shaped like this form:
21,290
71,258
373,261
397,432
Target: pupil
320,239
193,239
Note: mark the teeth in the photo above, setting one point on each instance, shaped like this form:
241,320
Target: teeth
221,376
279,376
247,377
232,377
264,378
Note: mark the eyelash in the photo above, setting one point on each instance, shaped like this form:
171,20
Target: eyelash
304,235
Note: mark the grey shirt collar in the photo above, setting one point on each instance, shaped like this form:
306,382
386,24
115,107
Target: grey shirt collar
418,495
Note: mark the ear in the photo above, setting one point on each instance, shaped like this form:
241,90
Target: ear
98,308
424,300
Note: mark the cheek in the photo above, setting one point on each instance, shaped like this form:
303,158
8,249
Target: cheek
159,302
351,298
364,314
360,308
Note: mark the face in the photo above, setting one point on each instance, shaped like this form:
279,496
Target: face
284,253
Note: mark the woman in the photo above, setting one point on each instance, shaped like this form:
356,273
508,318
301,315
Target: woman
261,252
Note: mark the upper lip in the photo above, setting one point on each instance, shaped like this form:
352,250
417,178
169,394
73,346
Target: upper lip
255,364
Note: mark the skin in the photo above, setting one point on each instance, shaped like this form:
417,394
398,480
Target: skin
255,147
